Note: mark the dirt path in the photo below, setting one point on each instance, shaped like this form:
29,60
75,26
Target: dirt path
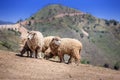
68,14
15,67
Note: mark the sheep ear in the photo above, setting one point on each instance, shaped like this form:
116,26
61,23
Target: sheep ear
53,39
34,34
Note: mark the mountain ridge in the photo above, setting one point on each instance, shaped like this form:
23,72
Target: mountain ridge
5,22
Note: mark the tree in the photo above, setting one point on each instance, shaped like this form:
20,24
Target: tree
114,22
20,20
32,18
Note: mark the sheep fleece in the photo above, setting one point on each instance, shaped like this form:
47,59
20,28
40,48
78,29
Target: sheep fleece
47,41
37,41
68,46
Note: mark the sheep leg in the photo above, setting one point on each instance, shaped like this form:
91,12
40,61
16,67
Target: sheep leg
61,57
31,53
77,56
40,55
27,53
70,59
23,51
36,53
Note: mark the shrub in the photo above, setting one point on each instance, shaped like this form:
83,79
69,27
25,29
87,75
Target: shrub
93,40
114,22
29,23
77,30
32,18
107,22
117,66
106,65
102,31
81,35
84,61
88,37
100,36
6,44
9,40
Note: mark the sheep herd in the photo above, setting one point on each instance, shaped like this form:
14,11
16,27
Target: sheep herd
51,46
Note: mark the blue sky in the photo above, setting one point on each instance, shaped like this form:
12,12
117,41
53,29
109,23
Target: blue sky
13,10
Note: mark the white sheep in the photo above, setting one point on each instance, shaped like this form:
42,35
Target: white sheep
35,42
61,46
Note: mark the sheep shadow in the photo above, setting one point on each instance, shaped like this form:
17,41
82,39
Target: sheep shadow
57,61
54,61
19,55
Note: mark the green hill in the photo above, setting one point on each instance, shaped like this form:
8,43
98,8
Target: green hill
9,40
100,37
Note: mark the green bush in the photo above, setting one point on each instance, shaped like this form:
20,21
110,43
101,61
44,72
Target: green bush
84,61
106,65
81,35
93,40
117,66
9,40
6,44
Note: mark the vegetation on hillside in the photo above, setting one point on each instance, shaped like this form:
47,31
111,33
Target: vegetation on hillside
9,40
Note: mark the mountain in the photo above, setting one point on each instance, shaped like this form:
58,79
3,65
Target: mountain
100,37
5,22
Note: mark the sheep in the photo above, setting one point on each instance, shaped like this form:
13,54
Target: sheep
47,40
61,46
35,42
45,47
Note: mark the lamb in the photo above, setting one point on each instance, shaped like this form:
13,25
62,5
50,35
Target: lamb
72,47
35,42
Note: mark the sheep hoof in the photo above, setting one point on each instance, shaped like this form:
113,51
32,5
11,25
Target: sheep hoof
40,58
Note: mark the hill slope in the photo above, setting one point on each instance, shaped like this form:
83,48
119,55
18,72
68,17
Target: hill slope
100,38
9,40
15,67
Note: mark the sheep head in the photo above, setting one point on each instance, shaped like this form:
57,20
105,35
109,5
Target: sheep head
55,43
48,54
31,35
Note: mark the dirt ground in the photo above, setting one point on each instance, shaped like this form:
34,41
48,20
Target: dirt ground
14,67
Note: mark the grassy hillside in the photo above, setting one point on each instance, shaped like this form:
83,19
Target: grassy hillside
50,11
100,38
9,40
